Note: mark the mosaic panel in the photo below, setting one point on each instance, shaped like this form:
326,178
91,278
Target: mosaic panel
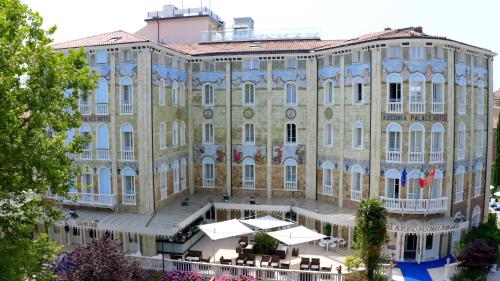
168,74
216,78
281,77
407,68
256,77
256,152
283,152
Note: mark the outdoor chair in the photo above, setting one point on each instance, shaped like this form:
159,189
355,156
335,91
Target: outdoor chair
225,261
275,261
241,259
305,263
207,260
265,261
176,257
315,264
342,242
248,250
243,241
285,265
250,260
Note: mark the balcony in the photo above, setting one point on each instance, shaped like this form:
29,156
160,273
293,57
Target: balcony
87,199
437,107
102,154
127,155
459,197
126,109
101,109
208,183
417,107
416,157
84,109
327,189
437,157
415,206
356,196
86,154
394,107
291,185
128,199
393,156
248,184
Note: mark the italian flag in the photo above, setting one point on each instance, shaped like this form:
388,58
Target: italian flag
430,176
421,180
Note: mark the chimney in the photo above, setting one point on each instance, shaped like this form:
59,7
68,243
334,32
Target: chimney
387,29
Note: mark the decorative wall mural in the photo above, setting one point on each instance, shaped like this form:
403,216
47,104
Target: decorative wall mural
216,151
462,71
480,73
282,152
101,70
168,74
126,69
257,153
256,77
281,77
384,166
357,70
216,78
329,73
169,160
407,68
349,162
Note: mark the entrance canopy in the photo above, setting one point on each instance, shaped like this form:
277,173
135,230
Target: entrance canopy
225,229
296,235
266,222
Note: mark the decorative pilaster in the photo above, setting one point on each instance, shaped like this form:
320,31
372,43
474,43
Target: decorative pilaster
269,129
113,111
450,130
342,132
190,127
311,126
376,122
470,152
489,143
228,128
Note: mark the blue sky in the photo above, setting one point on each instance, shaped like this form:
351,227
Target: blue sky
474,22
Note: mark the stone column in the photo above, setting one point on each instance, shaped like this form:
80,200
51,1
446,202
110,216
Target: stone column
450,130
471,151
190,127
229,150
311,126
349,237
269,129
341,133
142,134
376,122
113,111
489,150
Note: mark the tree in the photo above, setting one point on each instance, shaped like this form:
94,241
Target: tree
496,166
100,260
33,125
477,256
371,234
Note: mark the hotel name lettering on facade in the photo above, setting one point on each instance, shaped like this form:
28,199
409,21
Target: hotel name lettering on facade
415,117
96,119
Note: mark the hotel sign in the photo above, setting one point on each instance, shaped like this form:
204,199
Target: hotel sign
86,224
96,119
423,228
416,117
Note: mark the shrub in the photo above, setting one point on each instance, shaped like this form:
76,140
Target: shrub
179,275
231,278
265,244
352,263
469,275
477,256
357,276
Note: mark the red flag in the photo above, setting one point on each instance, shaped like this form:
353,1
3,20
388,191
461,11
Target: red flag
421,180
430,176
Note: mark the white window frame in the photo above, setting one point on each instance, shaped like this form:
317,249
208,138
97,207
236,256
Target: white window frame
417,106
356,183
417,52
175,93
127,154
183,133
394,155
328,133
416,154
251,64
163,181
480,98
208,89
248,133
129,198
163,135
161,95
175,134
413,190
250,94
462,96
208,66
355,82
290,174
357,129
126,108
291,94
478,180
183,174
182,93
291,140
327,177
88,181
329,93
437,143
175,176
437,184
248,180
438,83
208,133
396,105
208,180
291,63
459,184
461,141
479,139
392,181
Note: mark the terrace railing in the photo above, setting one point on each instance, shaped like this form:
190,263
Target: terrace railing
415,206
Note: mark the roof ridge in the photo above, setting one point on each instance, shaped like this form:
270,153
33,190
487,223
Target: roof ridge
102,34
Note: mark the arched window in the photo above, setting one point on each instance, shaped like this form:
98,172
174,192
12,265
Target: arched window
357,91
87,181
290,174
182,93
163,181
85,131
356,183
478,179
84,104
417,93
248,133
208,172
290,93
437,143
438,93
462,96
208,133
102,97
183,133
126,96
290,133
436,190
70,136
105,183
329,93
248,94
327,177
248,173
183,174
414,190
394,140
459,184
476,217
416,143
357,135
163,135
480,97
161,95
102,142
175,176
175,93
127,142
479,138
461,141
128,186
392,184
328,135
175,134
394,93
208,95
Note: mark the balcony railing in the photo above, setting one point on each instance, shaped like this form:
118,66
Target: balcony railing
87,199
127,155
163,193
437,157
101,109
327,189
415,206
257,35
393,156
248,184
86,154
459,197
356,195
84,109
417,107
394,107
128,199
461,154
208,183
102,154
290,185
437,107
68,109
126,109
416,157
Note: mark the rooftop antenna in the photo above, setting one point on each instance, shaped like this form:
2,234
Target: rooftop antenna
182,4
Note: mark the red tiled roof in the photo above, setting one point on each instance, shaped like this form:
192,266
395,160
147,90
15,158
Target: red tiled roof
111,38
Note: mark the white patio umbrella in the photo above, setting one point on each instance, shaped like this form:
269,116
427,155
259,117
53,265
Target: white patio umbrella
266,222
296,235
497,194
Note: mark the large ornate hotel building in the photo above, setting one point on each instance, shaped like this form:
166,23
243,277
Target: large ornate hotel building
243,123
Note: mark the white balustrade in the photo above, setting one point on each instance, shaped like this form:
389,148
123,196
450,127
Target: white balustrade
102,154
128,199
127,155
416,157
417,107
327,189
86,154
394,107
356,195
101,109
89,199
437,107
437,157
450,270
396,205
208,182
248,184
290,185
393,156
126,109
84,109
